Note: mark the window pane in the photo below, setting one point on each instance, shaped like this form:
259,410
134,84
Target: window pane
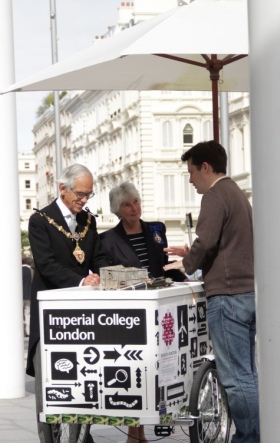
188,138
169,190
28,203
188,134
167,134
208,130
189,191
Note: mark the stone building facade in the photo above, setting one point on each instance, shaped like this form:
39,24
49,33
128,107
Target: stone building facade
140,136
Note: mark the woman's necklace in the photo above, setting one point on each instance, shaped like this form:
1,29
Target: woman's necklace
78,252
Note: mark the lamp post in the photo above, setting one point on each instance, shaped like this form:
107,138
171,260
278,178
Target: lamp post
56,93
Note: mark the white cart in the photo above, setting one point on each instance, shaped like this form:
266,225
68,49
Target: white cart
123,358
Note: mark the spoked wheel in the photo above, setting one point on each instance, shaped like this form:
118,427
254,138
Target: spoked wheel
67,433
208,402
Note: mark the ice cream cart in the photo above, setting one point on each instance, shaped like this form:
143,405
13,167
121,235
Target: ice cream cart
120,357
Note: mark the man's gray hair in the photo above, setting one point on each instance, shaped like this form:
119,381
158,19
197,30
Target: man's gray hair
123,193
71,173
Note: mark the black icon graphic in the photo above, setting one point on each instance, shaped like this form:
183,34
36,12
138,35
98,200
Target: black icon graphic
159,394
111,355
176,390
203,348
201,311
202,330
133,355
129,402
182,313
192,318
138,378
117,377
86,371
58,394
64,365
75,405
193,350
91,355
183,364
91,390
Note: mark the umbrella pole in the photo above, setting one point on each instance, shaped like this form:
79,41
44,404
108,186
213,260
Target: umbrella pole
215,110
214,66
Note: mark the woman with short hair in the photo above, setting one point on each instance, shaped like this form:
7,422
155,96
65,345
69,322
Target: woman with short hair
134,242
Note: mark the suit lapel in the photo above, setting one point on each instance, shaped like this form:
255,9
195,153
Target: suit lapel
55,213
125,248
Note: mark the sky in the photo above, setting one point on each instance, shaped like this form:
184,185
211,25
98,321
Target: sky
78,22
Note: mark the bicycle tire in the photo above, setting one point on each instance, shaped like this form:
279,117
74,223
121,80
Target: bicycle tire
67,433
208,402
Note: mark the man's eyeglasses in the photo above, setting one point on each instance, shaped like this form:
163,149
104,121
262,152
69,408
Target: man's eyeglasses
82,195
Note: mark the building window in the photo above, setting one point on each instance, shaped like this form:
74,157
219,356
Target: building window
28,203
27,184
207,130
167,134
188,134
26,165
169,190
189,192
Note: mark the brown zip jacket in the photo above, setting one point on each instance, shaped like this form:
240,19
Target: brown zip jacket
223,249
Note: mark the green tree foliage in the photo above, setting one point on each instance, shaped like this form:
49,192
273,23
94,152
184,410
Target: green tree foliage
25,245
47,103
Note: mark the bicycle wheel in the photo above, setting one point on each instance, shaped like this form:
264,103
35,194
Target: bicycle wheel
67,433
208,402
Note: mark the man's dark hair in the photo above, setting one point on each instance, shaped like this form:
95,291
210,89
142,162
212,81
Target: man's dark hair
210,152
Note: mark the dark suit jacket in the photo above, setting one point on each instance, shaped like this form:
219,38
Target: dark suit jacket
26,282
118,247
55,265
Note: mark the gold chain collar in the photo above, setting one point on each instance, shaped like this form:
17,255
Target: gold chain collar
78,252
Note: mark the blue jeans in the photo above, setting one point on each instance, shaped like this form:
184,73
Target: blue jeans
232,328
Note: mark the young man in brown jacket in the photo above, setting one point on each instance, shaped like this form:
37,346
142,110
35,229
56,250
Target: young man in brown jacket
223,250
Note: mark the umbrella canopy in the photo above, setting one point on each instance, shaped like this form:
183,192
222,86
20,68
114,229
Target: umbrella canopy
191,47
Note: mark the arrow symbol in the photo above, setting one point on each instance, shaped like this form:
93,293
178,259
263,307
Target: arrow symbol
90,387
133,355
111,355
84,371
77,405
193,318
68,384
91,356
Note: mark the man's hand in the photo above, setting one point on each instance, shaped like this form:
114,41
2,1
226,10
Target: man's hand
91,280
175,265
181,251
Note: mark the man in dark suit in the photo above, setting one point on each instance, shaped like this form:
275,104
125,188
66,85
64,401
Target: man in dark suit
67,252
